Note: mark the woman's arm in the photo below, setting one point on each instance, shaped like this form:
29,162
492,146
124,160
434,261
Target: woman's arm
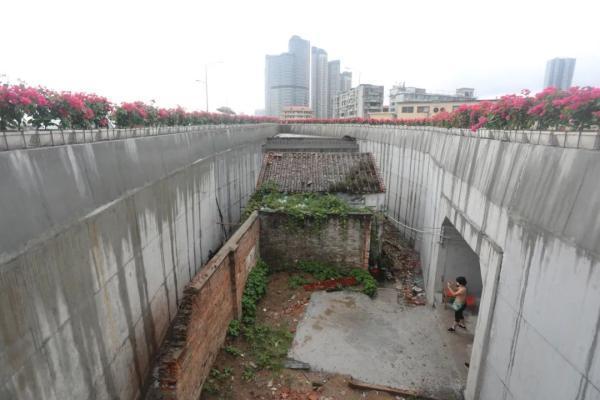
452,292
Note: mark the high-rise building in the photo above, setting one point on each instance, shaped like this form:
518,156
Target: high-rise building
300,48
335,81
358,102
346,81
287,77
559,73
319,82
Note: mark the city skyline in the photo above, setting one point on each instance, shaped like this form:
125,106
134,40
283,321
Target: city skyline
165,65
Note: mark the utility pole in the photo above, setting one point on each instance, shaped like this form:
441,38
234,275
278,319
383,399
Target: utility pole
206,84
206,80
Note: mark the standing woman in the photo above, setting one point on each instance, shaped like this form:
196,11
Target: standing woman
460,302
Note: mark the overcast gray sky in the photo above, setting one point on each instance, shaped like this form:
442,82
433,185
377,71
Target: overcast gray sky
130,50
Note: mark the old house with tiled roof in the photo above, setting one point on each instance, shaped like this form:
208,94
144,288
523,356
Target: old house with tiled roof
352,176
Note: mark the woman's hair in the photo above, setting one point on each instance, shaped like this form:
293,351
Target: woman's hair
461,280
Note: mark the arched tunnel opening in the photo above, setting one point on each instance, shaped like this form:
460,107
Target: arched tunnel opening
457,259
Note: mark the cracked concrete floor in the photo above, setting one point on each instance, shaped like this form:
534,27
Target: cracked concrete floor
383,342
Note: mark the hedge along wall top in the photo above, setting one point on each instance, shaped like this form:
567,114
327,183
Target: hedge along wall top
23,106
573,109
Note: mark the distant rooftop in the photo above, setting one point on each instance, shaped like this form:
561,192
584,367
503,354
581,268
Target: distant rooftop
293,172
305,143
297,108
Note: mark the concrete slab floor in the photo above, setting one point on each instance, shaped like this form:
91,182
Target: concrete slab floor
382,341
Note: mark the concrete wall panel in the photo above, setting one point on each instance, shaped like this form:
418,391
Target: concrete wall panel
532,214
103,238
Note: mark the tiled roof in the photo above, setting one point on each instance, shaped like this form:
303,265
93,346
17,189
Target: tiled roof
309,144
321,172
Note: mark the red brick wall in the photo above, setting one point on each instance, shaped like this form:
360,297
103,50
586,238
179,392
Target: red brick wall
210,301
342,241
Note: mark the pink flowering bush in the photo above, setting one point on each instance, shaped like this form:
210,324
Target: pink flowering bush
132,114
575,109
80,110
19,101
22,106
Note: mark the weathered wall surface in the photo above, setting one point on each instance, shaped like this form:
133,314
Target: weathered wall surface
342,241
531,212
210,301
98,241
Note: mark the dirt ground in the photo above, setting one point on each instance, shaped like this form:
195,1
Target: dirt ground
282,307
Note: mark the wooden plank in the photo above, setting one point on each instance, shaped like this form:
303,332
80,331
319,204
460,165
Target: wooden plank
354,384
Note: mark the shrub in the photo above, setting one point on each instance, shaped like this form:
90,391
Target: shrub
22,106
575,108
366,280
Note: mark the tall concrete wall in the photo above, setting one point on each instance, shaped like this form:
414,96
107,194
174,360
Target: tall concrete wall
531,212
97,242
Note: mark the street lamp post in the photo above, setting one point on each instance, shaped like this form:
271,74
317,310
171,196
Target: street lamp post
206,80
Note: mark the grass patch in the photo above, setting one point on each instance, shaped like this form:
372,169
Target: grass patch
256,288
216,379
295,281
268,346
249,373
232,350
322,271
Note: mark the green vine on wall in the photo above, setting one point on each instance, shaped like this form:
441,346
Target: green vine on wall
302,208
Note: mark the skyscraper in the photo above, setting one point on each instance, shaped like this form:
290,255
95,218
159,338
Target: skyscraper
559,73
287,77
319,82
300,48
333,87
346,81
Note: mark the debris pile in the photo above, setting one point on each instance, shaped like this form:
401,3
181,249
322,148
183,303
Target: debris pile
403,263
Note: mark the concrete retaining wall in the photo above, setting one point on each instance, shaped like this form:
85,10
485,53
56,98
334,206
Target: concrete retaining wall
337,241
98,241
210,301
531,212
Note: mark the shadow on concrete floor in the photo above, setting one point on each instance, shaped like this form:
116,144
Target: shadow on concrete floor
382,342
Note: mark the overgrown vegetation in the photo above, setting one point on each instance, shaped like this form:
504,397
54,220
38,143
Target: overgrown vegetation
366,280
295,281
358,180
256,288
299,207
216,379
232,350
321,271
268,346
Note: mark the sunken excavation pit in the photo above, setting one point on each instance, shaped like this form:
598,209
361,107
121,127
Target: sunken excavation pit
234,262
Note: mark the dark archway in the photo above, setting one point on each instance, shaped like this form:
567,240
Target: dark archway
456,258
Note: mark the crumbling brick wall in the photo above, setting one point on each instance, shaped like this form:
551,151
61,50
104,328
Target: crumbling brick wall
210,301
342,241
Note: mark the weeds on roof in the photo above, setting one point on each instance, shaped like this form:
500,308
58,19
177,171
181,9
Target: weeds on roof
315,208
